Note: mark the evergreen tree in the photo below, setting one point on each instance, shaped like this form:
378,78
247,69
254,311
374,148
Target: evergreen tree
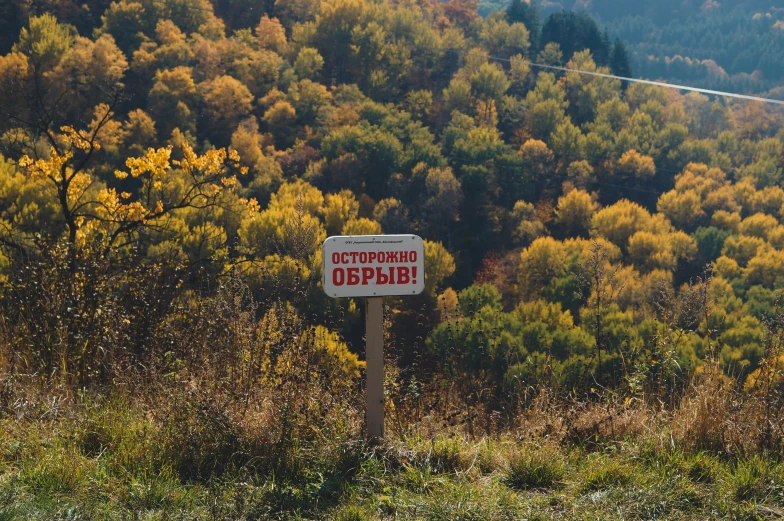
602,54
526,13
574,33
619,60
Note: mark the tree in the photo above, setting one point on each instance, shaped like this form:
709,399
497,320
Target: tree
636,166
419,103
684,209
442,206
309,63
620,221
241,14
332,34
392,215
439,266
94,216
526,226
526,13
271,35
369,149
504,39
649,251
584,92
546,106
619,60
489,82
574,212
296,11
139,131
280,119
742,249
540,263
339,209
54,77
457,96
226,102
551,54
290,226
568,144
45,42
361,226
574,32
171,100
308,98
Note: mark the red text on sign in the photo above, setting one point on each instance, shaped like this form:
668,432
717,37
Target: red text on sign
374,276
374,257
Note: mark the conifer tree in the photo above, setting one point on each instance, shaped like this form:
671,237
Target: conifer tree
619,60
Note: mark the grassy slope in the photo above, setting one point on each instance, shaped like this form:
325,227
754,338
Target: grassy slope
113,461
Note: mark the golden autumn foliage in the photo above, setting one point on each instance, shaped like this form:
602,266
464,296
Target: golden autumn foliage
216,144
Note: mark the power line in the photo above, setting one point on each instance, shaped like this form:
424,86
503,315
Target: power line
621,78
565,69
746,97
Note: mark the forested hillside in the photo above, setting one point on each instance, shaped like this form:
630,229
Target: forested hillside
735,46
170,169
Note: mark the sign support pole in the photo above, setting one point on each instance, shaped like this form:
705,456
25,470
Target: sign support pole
374,355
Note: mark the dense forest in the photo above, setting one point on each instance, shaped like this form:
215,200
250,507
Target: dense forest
734,46
352,118
170,169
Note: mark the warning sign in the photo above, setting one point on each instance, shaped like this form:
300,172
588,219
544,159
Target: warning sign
373,265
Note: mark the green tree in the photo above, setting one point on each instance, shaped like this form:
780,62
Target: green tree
526,13
620,63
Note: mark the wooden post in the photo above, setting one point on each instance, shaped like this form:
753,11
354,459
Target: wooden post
374,355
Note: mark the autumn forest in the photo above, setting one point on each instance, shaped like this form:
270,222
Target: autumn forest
170,169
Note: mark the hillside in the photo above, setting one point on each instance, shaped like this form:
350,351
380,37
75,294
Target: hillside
607,256
731,46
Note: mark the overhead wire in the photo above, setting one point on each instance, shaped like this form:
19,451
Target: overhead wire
566,69
624,78
558,68
621,78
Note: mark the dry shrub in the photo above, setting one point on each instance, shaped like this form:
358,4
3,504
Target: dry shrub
601,423
441,453
71,325
704,419
237,383
717,416
544,418
458,453
558,419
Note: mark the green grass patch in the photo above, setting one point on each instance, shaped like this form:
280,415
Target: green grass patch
111,462
604,474
542,469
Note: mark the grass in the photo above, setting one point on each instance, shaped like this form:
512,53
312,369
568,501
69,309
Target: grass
111,460
532,469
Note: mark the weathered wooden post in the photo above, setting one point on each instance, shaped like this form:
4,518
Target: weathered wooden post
373,266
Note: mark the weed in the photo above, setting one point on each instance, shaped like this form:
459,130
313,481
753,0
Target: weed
604,475
535,470
351,513
420,481
702,468
753,479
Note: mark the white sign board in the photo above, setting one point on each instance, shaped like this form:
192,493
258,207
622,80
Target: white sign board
373,265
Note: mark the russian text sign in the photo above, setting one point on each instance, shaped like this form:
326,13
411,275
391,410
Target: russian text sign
373,265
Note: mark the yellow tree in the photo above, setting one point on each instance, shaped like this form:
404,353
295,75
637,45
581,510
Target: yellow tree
574,212
439,265
95,214
540,263
101,243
